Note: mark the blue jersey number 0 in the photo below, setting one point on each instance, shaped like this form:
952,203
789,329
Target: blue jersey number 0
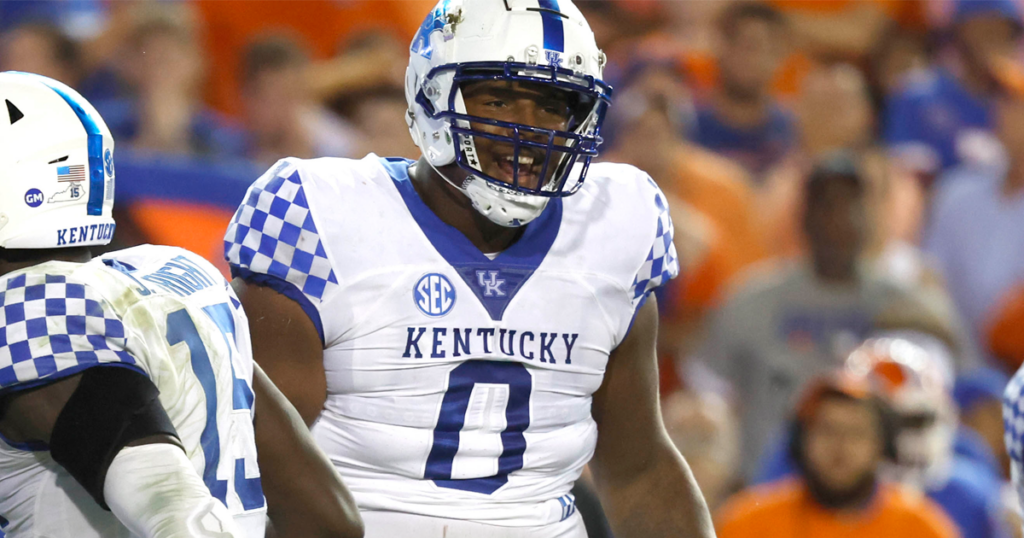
454,406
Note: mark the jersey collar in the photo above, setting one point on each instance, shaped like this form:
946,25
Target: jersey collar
494,282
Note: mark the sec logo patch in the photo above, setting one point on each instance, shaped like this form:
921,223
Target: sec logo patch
434,295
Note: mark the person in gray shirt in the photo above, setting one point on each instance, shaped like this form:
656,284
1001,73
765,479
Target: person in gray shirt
787,325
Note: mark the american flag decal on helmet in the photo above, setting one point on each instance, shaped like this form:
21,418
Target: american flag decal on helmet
75,172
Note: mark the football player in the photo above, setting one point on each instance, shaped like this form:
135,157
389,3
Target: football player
127,387
458,329
1013,424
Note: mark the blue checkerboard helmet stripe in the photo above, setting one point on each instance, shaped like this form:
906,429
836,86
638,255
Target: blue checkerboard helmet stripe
537,41
662,263
57,156
273,240
52,328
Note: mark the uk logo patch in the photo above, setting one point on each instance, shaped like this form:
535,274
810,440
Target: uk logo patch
554,58
435,21
434,295
491,285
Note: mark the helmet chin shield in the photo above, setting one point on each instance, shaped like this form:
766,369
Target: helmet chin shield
503,206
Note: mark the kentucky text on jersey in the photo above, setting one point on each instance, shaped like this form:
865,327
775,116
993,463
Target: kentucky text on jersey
81,234
458,342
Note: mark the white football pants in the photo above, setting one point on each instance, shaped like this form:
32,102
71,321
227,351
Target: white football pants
398,525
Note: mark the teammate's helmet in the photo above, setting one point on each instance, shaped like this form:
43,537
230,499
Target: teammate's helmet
530,41
915,386
56,159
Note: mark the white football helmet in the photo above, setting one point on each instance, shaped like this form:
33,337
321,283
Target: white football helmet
56,159
537,41
914,384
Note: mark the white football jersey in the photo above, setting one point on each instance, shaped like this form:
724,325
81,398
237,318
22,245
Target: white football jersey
459,386
162,311
1013,436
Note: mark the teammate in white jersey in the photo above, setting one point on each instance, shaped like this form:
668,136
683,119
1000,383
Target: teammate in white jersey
128,393
1013,423
457,330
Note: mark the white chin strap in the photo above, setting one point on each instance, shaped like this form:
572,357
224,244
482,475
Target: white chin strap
503,207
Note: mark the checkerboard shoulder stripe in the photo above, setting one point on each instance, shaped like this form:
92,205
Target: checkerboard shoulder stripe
1013,428
273,233
661,264
50,327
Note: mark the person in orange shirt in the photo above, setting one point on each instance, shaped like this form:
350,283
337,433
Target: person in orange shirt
843,432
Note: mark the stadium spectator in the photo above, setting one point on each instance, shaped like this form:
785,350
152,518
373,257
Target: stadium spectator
376,107
977,237
979,396
375,114
846,30
835,113
943,117
324,26
1005,339
620,25
163,66
76,42
742,120
783,327
82,19
716,195
842,434
282,118
43,49
898,55
915,384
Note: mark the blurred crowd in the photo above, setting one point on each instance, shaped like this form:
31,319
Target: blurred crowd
846,181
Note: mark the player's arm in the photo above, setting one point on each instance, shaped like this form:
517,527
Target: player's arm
285,343
644,483
107,428
305,496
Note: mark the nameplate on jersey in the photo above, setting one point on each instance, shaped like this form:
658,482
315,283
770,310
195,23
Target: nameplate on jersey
180,276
